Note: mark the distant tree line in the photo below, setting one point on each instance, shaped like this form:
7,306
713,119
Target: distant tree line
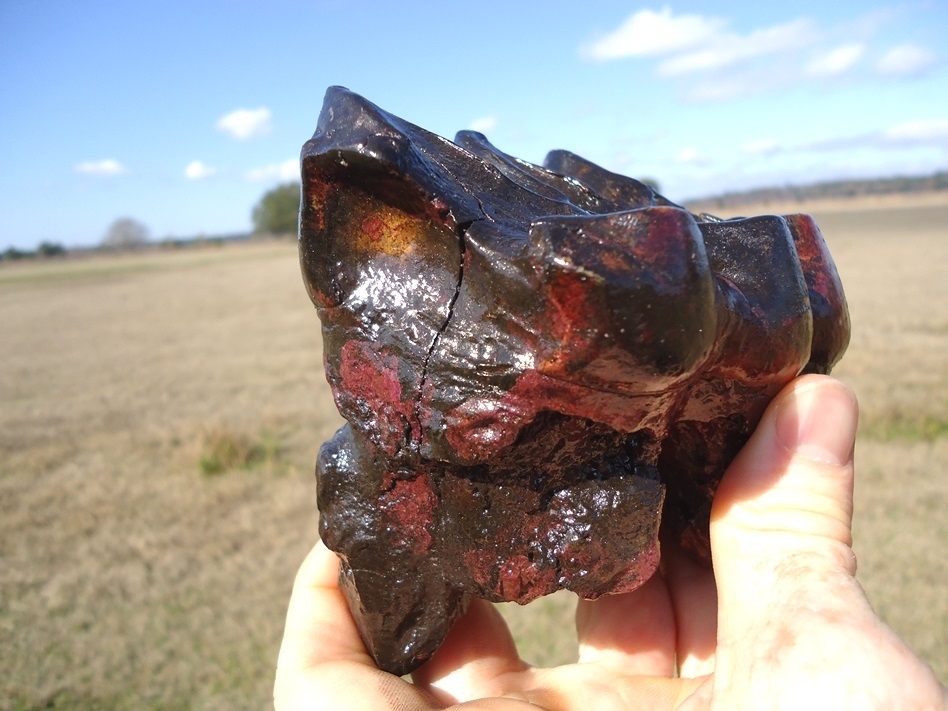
277,212
45,249
833,189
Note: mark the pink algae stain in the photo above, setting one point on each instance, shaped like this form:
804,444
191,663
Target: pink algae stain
373,227
513,578
410,504
665,248
520,580
370,375
478,428
481,426
480,563
813,254
572,316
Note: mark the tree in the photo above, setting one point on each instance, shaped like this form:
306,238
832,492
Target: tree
14,253
125,233
278,211
50,249
652,183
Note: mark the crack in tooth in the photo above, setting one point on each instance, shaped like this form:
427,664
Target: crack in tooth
462,244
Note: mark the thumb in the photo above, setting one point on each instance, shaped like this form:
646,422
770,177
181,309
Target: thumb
795,630
781,525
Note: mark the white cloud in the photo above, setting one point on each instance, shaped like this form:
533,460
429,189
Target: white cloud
836,61
100,167
728,48
196,170
694,43
922,131
244,124
905,60
761,146
484,124
284,172
926,133
721,89
690,155
712,60
653,33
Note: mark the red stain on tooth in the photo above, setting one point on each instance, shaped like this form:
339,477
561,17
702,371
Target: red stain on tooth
373,228
369,383
409,506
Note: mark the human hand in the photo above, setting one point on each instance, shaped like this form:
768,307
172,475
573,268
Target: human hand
781,623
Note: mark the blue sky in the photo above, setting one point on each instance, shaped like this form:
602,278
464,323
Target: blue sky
182,114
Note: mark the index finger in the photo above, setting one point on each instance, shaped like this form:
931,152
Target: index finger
319,626
323,663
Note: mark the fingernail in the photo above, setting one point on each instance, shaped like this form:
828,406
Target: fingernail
818,421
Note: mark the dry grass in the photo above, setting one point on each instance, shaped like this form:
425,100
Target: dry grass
892,265
130,579
224,449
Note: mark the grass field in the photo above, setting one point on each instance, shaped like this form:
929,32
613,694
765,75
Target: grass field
160,414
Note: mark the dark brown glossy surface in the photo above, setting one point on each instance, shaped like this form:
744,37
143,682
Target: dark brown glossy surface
540,366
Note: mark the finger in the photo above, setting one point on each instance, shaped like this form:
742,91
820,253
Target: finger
322,658
319,626
694,599
474,660
634,632
591,686
781,520
794,624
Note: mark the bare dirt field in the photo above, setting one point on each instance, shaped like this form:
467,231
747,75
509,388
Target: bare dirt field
160,414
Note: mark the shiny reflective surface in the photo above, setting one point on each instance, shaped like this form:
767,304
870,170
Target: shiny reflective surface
540,366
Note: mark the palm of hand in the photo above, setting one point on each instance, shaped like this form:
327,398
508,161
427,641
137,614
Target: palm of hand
781,623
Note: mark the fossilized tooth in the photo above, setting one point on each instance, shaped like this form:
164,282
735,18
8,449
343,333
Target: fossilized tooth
539,366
